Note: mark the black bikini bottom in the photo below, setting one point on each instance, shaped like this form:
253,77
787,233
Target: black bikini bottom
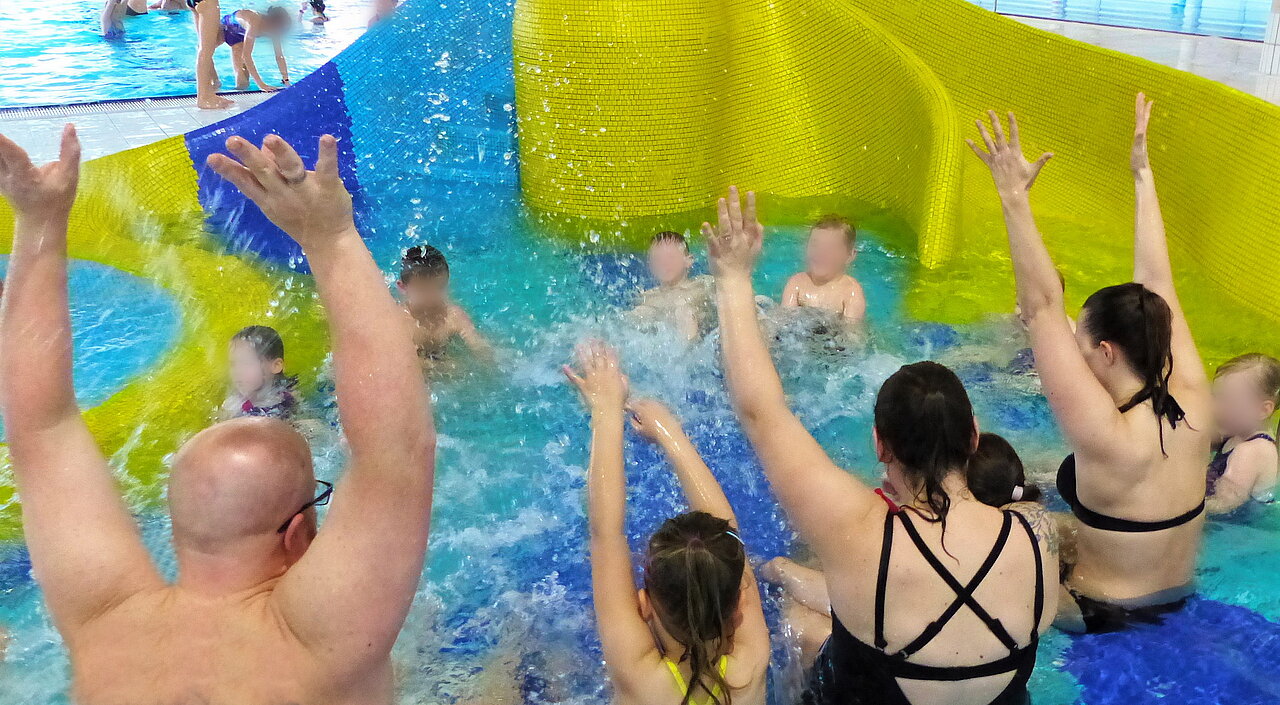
1102,617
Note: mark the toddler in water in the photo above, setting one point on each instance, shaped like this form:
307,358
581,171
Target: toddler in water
259,386
1246,390
695,633
826,284
424,284
995,477
680,301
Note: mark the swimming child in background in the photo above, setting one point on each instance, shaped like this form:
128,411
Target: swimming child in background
680,301
695,633
114,12
424,284
382,9
826,284
241,29
259,386
995,477
170,6
1246,390
317,11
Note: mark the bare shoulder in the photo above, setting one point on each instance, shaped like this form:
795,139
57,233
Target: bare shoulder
1041,522
799,280
852,286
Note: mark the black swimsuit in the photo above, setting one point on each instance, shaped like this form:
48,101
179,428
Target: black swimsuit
850,672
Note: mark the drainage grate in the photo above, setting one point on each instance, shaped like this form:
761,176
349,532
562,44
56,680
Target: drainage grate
101,107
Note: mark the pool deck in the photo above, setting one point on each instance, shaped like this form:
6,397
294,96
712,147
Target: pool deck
114,127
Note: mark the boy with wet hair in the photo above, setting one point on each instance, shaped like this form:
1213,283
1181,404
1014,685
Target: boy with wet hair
424,284
826,284
680,301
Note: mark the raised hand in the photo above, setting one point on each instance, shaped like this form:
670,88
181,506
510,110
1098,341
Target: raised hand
313,207
653,420
1139,160
735,243
599,377
40,191
1010,170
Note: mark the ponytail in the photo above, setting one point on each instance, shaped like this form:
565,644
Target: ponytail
693,575
1139,322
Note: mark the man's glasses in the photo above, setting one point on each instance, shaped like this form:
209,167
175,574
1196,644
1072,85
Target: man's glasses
320,500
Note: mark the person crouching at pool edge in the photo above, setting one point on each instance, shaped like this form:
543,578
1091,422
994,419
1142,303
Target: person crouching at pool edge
696,632
826,284
259,386
1246,390
241,29
438,320
267,606
679,301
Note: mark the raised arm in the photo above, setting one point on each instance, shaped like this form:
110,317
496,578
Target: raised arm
1085,411
354,585
629,649
656,423
1151,267
823,501
85,547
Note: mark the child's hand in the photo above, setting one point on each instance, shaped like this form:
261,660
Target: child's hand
42,191
600,381
1138,160
653,420
1011,171
313,207
735,243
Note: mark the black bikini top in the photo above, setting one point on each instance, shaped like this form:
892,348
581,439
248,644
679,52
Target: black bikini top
1067,483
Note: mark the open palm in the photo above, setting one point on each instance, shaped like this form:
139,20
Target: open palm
39,190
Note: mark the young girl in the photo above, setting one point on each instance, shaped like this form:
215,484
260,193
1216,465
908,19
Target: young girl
996,477
1246,390
695,633
241,29
258,382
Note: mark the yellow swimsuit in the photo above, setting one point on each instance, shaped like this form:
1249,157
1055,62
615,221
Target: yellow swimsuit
683,687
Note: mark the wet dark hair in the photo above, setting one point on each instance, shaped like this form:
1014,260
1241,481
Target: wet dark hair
924,418
995,471
838,222
670,236
265,341
422,261
693,574
1138,321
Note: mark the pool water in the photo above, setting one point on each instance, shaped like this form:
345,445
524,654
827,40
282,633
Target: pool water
53,52
1238,19
504,608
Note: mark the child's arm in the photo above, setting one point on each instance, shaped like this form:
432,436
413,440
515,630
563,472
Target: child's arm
624,636
281,63
1247,463
656,423
466,330
247,55
1151,266
791,294
855,305
85,546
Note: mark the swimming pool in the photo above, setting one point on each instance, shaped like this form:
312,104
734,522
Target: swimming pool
53,51
1238,19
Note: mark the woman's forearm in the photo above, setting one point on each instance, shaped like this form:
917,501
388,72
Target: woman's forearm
753,380
1039,289
1151,266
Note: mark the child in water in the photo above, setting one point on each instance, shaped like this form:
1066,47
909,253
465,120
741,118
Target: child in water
317,11
1246,390
241,29
682,302
114,12
695,633
424,284
259,386
995,477
826,284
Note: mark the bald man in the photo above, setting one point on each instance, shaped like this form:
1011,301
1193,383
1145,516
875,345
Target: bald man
266,610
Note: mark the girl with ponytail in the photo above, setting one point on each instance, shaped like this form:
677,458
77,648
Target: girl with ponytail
695,633
932,598
1130,393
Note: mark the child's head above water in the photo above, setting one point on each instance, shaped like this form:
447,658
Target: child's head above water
257,360
1246,391
424,278
693,581
278,20
831,247
669,258
996,476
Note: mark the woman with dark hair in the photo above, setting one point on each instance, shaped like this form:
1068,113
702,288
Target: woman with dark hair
695,634
940,599
1131,395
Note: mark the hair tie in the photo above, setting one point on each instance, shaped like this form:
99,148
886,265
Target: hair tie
736,536
1017,493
